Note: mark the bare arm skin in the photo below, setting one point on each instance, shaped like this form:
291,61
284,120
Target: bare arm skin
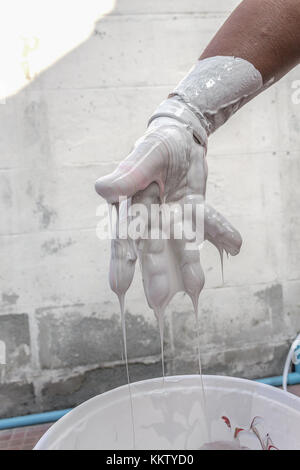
266,33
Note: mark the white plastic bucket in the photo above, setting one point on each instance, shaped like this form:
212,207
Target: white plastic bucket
170,415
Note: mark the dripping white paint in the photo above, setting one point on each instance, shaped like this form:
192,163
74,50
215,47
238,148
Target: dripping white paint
168,166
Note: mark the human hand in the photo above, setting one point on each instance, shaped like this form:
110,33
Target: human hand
167,166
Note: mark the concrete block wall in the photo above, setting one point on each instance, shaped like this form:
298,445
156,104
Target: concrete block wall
70,125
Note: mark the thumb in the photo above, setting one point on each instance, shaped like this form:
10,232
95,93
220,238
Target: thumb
147,163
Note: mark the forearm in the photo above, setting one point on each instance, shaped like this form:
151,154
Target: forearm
266,33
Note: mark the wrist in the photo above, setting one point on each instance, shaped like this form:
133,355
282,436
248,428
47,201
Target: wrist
174,108
217,87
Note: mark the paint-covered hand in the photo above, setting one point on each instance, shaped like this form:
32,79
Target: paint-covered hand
164,155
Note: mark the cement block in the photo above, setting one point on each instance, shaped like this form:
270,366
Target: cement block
118,47
129,7
9,144
80,335
41,268
230,317
14,333
292,247
250,362
257,192
94,125
17,399
291,315
45,200
77,389
261,259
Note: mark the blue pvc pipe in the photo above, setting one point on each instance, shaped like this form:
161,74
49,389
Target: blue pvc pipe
293,379
51,416
30,420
